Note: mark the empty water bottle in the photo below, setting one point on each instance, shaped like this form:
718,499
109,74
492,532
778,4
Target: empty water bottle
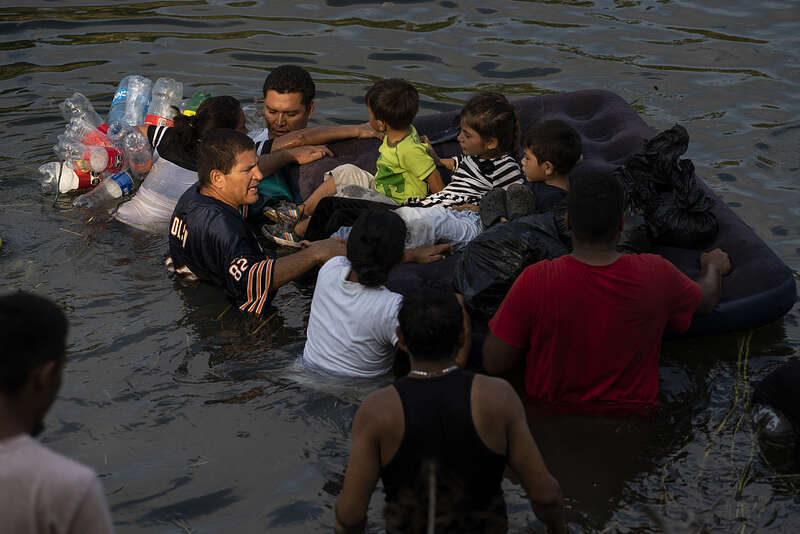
138,152
80,130
61,175
165,102
116,133
112,187
191,105
85,158
79,106
130,100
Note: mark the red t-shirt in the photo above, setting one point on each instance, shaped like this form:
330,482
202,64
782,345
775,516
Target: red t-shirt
593,334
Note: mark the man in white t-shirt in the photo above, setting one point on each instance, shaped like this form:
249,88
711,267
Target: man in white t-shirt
41,492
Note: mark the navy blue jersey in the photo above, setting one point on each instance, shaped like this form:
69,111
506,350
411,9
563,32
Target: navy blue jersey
212,240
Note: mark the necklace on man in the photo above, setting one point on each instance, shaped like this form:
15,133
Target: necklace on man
426,374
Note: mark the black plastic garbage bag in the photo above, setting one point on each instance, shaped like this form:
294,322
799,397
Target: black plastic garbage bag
664,189
492,261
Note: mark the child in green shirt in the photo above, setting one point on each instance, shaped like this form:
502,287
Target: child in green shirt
405,169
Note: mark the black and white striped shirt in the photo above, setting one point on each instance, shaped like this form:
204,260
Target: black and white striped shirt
472,179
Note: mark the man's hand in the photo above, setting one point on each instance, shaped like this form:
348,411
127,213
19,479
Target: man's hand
309,153
326,249
427,254
366,131
716,258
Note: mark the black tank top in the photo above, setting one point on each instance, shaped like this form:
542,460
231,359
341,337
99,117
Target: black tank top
439,428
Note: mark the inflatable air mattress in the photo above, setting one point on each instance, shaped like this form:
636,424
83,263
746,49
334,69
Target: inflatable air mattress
761,287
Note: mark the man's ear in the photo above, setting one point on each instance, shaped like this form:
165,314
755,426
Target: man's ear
548,168
310,109
401,342
46,376
381,125
217,177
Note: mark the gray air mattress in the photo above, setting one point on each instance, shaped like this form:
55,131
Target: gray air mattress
761,287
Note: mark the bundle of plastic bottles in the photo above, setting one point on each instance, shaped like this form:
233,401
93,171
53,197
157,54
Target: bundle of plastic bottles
109,156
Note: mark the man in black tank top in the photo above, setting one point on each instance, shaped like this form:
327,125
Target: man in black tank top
441,437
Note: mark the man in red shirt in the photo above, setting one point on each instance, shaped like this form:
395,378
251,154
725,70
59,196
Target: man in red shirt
591,322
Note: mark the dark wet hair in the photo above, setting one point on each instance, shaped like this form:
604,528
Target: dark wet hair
431,322
291,79
33,331
491,115
219,150
214,112
595,205
375,245
393,101
554,141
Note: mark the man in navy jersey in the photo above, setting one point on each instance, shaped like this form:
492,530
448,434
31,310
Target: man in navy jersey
209,238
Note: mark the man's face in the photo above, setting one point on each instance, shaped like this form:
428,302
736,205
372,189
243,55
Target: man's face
239,186
534,171
285,112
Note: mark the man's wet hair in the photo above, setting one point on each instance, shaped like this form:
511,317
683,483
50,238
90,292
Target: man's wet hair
431,322
33,331
554,141
393,101
595,205
375,245
291,79
219,150
491,115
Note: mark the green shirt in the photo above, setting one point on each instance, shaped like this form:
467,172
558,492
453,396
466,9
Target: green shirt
403,168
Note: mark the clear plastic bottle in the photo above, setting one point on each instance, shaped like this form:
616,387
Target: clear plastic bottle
165,102
79,106
80,130
112,187
70,179
116,133
138,152
97,159
130,100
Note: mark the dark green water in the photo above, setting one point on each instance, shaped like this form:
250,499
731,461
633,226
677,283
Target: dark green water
201,423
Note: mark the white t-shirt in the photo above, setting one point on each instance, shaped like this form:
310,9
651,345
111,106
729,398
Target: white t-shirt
351,327
42,492
259,135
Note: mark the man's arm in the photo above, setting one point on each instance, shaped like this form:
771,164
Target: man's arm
713,266
287,268
466,330
269,163
319,135
363,469
499,356
525,460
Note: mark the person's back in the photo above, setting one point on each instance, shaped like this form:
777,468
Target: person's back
439,429
595,331
466,427
41,492
44,492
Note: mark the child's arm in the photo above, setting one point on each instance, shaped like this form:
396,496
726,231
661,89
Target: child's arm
435,183
447,163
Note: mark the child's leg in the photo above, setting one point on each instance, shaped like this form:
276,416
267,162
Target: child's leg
435,224
334,181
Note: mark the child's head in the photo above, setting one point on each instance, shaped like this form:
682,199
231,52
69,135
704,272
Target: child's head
489,126
551,149
375,245
394,102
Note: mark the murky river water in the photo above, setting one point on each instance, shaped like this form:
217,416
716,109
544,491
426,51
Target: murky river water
199,421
